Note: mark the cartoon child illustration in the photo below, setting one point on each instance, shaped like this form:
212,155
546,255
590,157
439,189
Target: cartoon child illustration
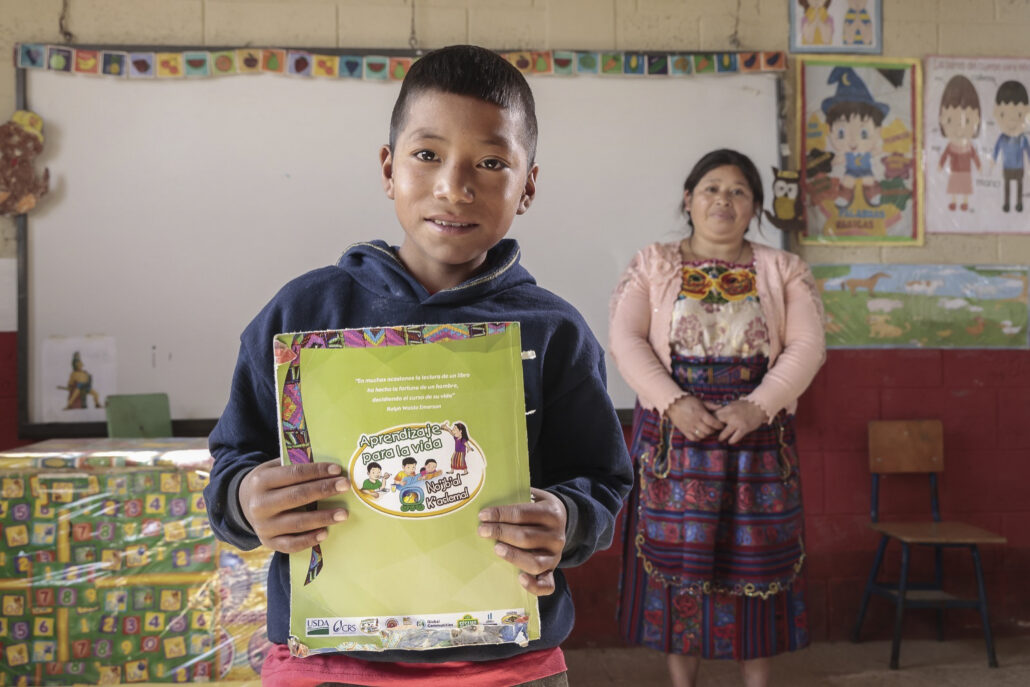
431,470
854,120
80,386
960,123
816,22
461,447
858,27
374,483
1011,109
407,474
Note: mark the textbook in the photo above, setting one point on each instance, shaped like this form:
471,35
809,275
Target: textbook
428,422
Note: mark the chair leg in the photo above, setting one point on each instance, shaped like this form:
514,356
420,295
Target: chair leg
855,633
992,660
939,582
899,613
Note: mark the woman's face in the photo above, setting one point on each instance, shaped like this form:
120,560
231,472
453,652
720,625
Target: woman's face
721,205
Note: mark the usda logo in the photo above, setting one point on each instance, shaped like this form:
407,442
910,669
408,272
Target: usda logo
316,627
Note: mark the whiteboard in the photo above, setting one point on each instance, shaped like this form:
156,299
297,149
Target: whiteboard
178,208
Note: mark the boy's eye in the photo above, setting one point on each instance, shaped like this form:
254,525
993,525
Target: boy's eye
865,134
493,163
840,134
425,155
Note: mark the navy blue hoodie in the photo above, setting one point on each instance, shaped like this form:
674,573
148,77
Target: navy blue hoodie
576,445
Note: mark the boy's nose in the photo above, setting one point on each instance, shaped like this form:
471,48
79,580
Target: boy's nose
454,185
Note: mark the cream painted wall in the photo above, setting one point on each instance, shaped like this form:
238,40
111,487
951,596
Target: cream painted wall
912,28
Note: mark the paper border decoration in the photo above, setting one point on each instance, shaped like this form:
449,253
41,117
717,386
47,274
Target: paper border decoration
838,19
198,63
873,197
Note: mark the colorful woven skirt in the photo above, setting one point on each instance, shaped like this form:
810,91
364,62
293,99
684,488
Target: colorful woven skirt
712,545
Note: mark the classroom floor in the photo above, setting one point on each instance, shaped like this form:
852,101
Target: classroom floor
924,663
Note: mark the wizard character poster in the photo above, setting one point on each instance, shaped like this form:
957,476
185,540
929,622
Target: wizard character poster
977,124
859,135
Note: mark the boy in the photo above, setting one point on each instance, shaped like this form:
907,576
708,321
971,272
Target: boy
1011,107
854,119
459,167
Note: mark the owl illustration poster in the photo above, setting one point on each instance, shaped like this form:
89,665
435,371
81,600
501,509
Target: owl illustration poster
860,144
977,124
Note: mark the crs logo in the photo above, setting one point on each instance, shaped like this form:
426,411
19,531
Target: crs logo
343,628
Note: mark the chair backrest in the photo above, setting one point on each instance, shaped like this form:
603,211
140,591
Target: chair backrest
138,416
906,446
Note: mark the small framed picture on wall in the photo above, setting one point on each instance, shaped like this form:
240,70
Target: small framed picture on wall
838,26
859,132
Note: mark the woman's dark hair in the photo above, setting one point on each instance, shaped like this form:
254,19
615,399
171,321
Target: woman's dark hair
721,158
475,72
460,426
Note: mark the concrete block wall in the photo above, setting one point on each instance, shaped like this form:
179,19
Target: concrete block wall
983,397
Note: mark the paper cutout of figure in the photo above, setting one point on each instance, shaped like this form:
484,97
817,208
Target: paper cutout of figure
80,386
21,140
816,22
858,26
1011,108
959,120
788,207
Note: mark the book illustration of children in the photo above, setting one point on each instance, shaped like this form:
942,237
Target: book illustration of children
373,484
1011,108
461,447
80,386
854,119
858,26
816,22
407,474
960,123
431,470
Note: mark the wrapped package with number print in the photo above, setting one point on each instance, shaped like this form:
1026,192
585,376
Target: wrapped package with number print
109,572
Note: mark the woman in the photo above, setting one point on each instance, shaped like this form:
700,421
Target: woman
718,337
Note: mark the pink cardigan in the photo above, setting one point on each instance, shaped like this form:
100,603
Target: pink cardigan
641,321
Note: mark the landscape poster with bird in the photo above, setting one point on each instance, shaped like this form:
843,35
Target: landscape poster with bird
860,143
924,306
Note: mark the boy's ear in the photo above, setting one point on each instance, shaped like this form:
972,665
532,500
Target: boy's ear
386,168
529,192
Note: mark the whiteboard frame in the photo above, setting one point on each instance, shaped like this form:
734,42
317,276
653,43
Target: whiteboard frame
201,427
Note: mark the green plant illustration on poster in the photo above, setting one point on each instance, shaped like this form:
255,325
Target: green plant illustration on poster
924,306
428,421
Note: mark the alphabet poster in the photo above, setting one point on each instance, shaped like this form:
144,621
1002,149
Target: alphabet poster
428,421
924,306
977,145
859,124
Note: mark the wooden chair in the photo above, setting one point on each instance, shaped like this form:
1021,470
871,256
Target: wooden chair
138,416
917,446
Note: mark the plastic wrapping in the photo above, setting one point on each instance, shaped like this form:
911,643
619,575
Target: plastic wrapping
109,571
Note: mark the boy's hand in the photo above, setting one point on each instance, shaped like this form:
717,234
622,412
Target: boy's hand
273,497
530,536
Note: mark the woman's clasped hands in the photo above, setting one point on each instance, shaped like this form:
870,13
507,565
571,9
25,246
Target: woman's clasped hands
698,419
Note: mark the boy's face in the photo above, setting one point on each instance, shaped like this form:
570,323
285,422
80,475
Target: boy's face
458,175
430,466
374,473
959,123
410,468
1011,117
854,134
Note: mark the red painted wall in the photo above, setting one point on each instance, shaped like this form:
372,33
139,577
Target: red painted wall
983,398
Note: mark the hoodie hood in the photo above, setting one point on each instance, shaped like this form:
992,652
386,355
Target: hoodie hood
375,266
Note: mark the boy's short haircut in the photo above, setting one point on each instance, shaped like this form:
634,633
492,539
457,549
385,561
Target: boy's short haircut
1011,93
373,465
430,460
847,110
408,461
472,71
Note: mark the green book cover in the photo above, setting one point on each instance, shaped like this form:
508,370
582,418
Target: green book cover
428,422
